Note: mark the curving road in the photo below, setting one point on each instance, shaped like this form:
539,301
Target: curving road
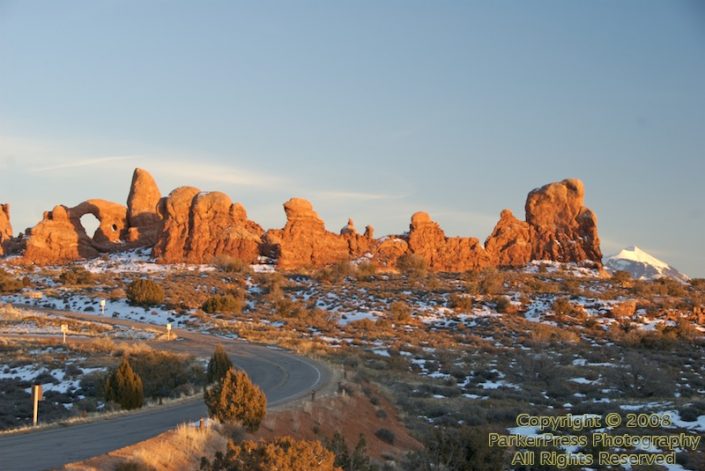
283,377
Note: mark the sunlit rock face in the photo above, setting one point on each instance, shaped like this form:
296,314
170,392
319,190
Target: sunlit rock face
191,226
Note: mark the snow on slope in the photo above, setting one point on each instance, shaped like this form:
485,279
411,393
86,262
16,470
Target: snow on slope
642,265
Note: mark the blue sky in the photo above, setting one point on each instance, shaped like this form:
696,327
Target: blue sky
371,109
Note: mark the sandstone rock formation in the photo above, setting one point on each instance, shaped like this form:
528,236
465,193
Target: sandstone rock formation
196,227
427,240
510,243
565,230
199,227
5,227
143,216
305,242
60,236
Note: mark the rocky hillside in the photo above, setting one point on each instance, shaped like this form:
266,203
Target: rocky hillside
195,227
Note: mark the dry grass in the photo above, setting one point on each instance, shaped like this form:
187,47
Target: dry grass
181,448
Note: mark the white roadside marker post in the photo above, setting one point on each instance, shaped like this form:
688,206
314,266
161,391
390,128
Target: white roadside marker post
64,330
102,307
168,331
36,397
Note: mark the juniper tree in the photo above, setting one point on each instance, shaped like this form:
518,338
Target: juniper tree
235,399
124,386
218,365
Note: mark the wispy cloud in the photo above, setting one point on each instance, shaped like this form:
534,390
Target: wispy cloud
357,196
214,173
81,163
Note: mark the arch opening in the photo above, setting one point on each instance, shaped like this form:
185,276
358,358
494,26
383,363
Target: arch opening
90,224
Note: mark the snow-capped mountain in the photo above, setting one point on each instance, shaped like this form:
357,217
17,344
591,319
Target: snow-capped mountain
642,265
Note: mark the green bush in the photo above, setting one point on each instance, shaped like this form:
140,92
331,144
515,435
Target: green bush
347,459
218,365
235,399
224,303
166,374
145,293
124,387
386,435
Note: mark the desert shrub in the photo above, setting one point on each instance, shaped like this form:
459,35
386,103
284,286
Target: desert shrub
412,265
698,283
281,454
689,413
230,264
641,377
224,303
334,273
502,304
621,277
399,311
218,365
561,307
365,271
8,283
685,330
163,374
145,293
386,435
235,399
490,281
76,276
346,459
124,387
457,448
460,302
624,309
134,466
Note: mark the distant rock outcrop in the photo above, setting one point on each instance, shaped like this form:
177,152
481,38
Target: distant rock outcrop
305,242
427,240
190,226
5,227
199,227
510,242
143,216
60,236
565,230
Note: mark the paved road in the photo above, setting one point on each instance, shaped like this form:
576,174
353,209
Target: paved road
283,377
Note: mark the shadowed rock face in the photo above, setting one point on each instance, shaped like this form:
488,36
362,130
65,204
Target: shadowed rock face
199,227
5,227
195,227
